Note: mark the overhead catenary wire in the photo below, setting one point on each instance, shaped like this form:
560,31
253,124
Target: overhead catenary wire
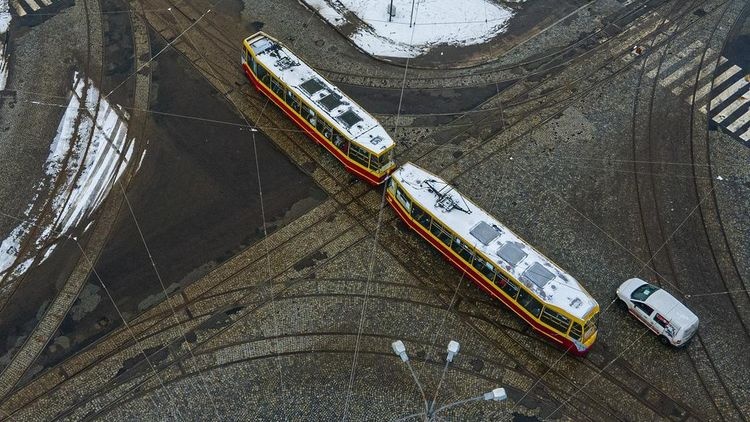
728,179
167,298
175,409
269,275
447,311
256,158
169,44
373,253
644,266
138,344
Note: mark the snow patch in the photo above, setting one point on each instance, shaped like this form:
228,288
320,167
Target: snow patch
413,31
86,158
4,24
4,16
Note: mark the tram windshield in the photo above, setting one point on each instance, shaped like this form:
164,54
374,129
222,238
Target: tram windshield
590,327
381,162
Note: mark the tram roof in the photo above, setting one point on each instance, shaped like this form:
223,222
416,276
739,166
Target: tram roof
345,114
497,242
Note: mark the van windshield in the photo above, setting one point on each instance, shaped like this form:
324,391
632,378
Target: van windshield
642,293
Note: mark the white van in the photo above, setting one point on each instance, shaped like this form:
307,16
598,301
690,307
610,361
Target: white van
672,321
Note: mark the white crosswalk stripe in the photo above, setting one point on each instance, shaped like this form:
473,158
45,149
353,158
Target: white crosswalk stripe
705,80
733,89
24,7
680,72
19,9
730,108
674,59
33,5
726,75
740,121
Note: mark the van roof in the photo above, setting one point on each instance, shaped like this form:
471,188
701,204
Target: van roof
672,309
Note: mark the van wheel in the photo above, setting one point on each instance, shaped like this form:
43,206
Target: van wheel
664,340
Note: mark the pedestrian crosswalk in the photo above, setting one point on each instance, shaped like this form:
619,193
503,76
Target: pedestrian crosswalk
24,7
729,105
730,108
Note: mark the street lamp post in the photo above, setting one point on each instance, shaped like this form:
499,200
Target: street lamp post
400,350
498,394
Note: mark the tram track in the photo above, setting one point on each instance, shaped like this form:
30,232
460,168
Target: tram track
47,208
151,321
357,197
608,68
520,103
425,290
720,402
740,286
733,270
635,118
47,324
93,241
432,288
562,57
279,297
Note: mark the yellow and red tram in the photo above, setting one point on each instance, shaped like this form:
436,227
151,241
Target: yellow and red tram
499,261
319,108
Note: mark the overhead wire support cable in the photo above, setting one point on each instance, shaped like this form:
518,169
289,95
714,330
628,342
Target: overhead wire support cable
372,256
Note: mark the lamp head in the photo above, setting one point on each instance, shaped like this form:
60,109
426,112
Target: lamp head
453,348
400,350
497,394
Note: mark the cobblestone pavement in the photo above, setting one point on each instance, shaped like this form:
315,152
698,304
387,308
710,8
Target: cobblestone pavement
273,332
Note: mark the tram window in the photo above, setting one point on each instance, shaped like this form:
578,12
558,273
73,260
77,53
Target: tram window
529,302
277,88
421,216
508,286
575,331
250,61
377,163
555,320
359,154
391,183
479,263
263,75
403,199
484,267
463,250
442,233
324,128
308,114
374,162
292,100
340,142
590,326
489,271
